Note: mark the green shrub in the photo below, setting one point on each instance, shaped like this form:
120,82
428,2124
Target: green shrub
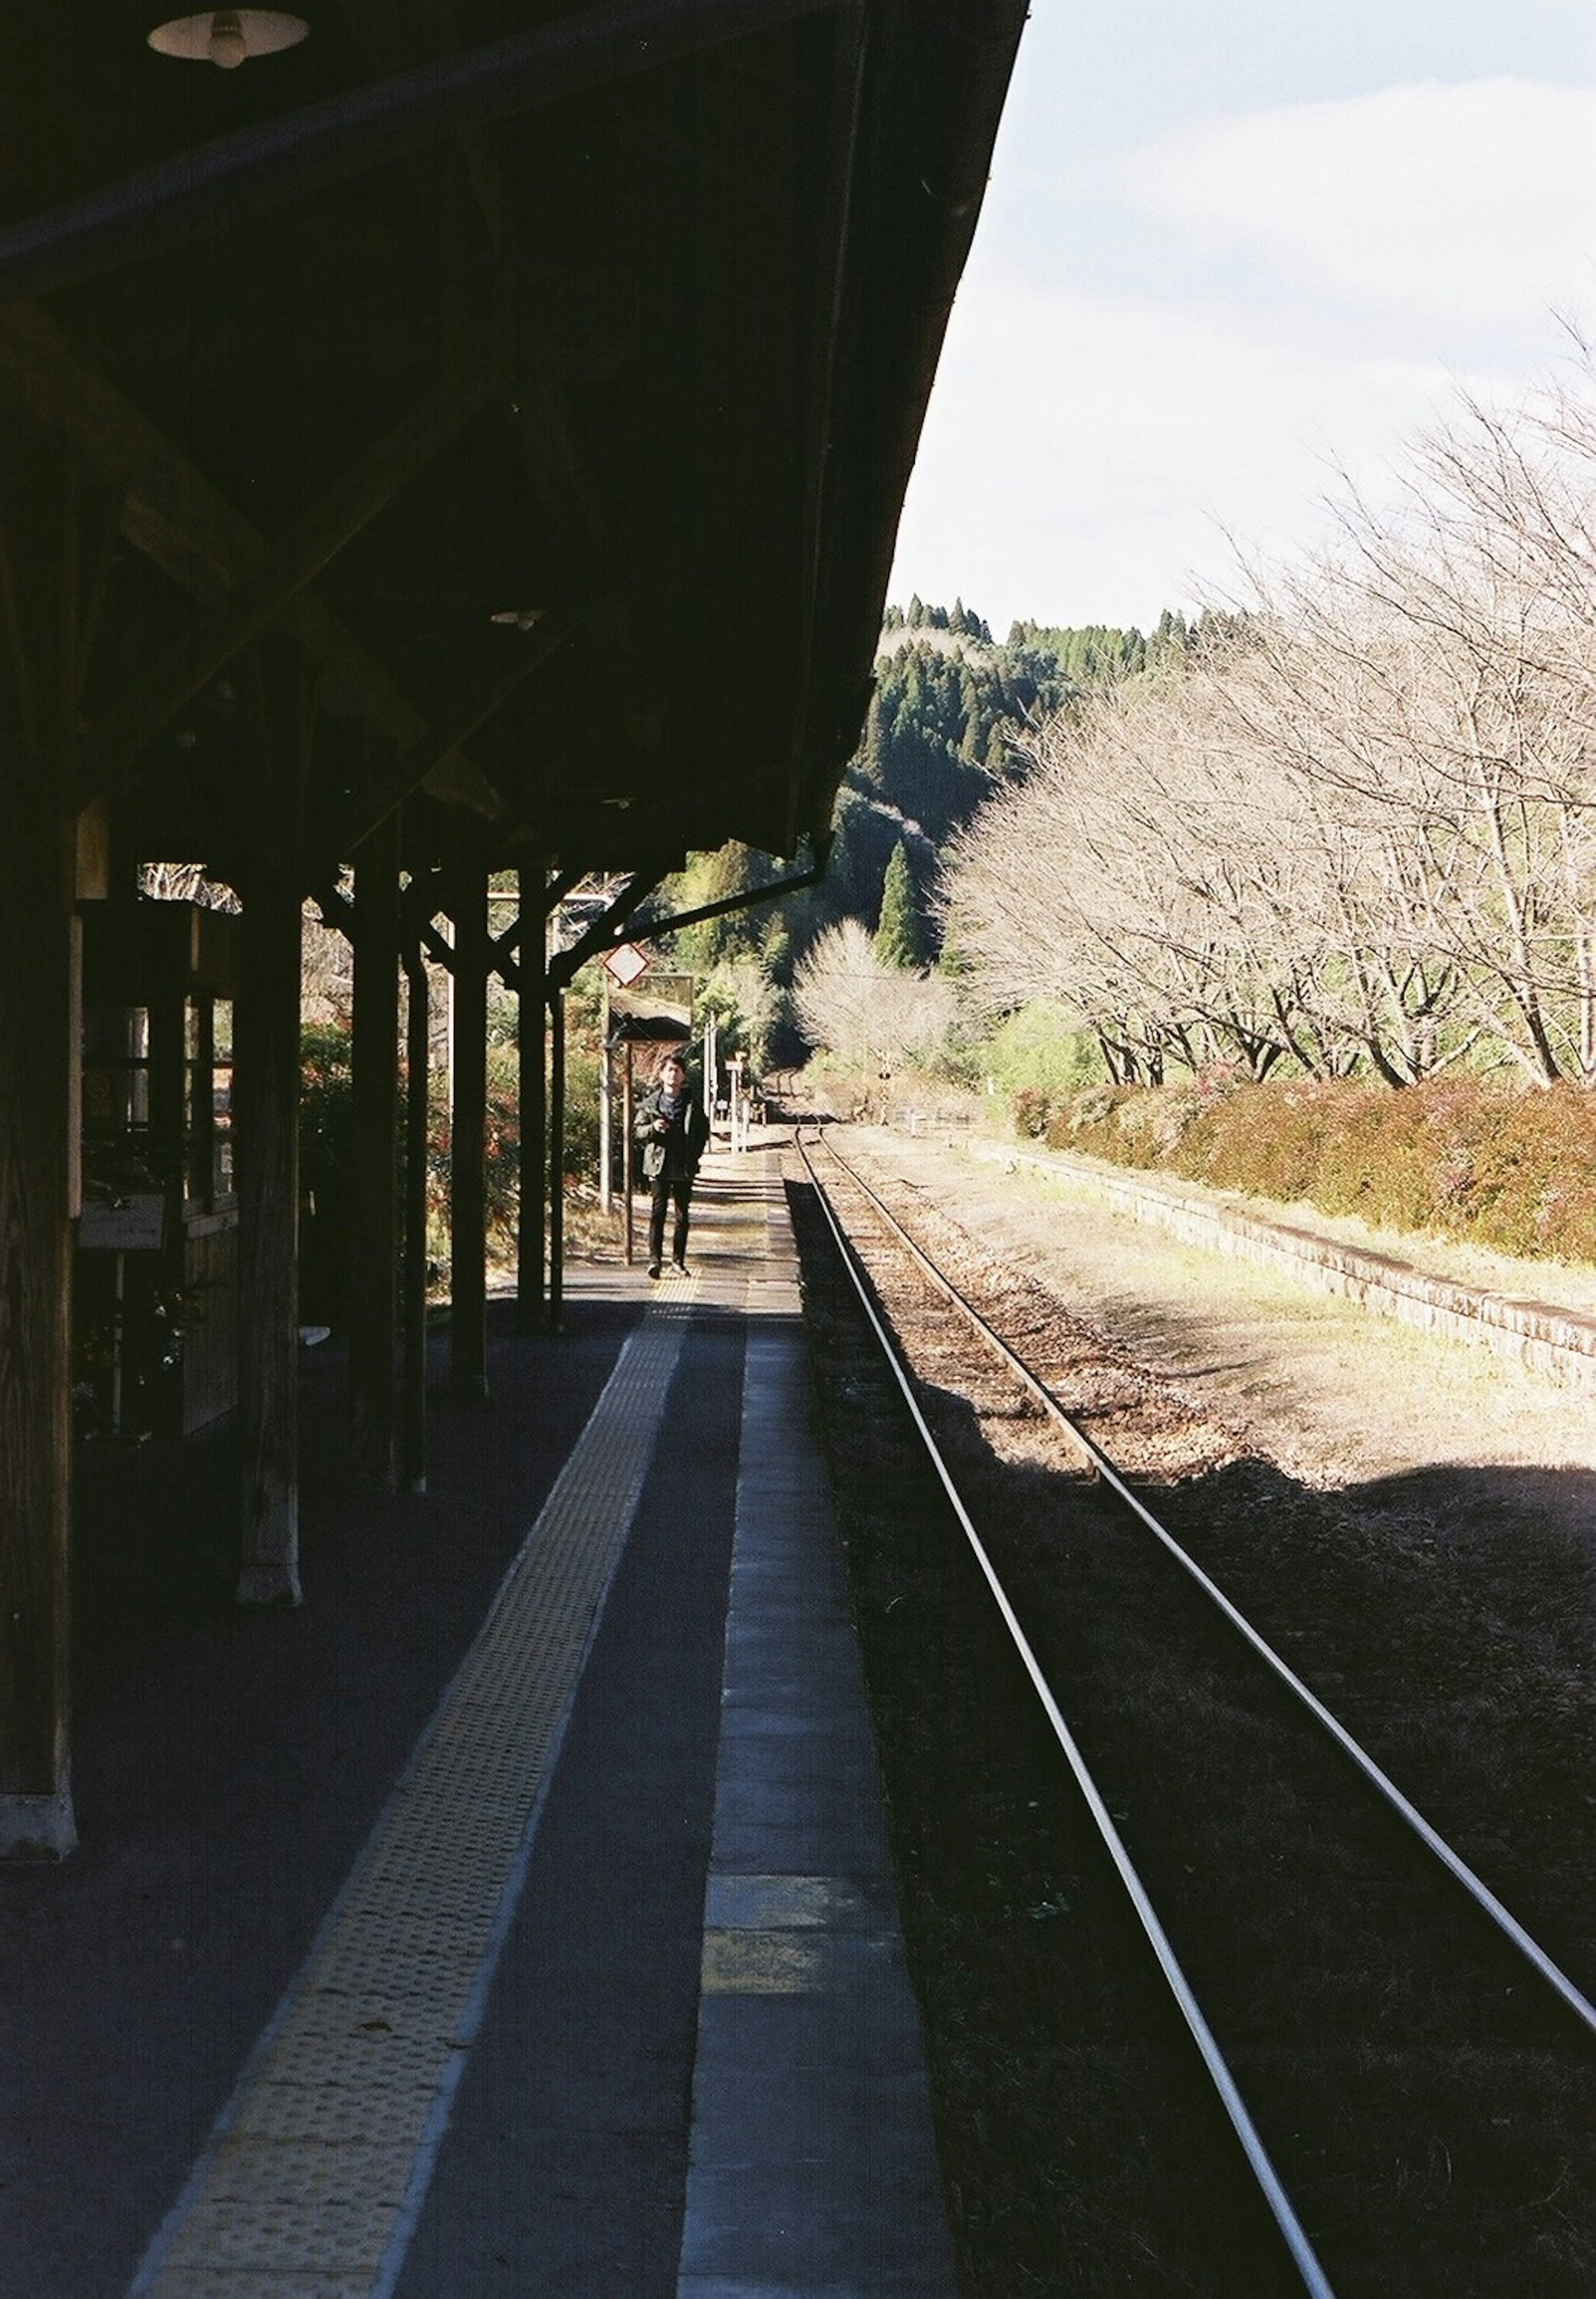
1471,1158
1035,1058
582,1115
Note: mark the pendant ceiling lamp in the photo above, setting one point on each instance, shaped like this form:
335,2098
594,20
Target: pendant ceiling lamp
228,37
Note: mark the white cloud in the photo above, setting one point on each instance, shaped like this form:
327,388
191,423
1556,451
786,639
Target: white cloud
1472,204
1085,457
1087,453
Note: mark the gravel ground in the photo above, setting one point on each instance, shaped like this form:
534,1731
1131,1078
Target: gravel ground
1411,1520
1337,1398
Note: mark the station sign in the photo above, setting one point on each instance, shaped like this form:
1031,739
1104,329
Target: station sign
625,965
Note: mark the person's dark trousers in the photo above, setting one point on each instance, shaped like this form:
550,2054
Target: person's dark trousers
669,1187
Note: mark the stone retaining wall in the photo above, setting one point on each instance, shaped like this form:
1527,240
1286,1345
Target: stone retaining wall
1549,1341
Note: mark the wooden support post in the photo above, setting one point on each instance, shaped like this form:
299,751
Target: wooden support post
40,1024
373,1239
468,1128
38,1053
417,1077
556,1160
267,1094
531,1056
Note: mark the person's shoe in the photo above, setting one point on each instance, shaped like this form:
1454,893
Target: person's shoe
654,1268
679,1264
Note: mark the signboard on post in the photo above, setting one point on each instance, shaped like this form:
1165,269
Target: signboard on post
624,964
135,1224
657,1008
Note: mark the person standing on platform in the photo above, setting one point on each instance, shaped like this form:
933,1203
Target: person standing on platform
673,1130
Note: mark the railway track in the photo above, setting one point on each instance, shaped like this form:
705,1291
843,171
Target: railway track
1405,2079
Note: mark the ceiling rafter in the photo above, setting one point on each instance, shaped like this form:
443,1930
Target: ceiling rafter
265,589
388,788
709,246
196,537
280,161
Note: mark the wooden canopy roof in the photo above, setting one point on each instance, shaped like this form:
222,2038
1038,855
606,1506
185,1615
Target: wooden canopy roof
528,389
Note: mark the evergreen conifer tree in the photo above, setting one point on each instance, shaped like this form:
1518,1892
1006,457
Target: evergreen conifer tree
872,766
899,937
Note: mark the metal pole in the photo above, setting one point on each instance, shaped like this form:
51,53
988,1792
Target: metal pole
532,1008
266,1038
556,1158
468,1124
418,1060
626,1153
605,1083
374,1400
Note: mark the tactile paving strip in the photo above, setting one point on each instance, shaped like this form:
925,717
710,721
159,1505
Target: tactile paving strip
312,2177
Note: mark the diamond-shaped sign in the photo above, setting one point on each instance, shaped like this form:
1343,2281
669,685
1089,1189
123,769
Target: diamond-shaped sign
626,964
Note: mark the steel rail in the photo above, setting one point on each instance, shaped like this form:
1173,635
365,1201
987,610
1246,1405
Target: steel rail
1303,2257
1456,1867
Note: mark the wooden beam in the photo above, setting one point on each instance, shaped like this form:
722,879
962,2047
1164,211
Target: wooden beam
337,910
276,579
284,160
605,930
197,538
386,791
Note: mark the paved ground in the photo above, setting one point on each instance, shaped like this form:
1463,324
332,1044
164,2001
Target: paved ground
229,1765
239,1773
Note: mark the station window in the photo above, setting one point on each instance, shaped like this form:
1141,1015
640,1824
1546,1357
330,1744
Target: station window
116,1074
208,1098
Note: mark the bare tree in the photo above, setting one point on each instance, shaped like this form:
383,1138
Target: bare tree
868,1015
1360,826
184,882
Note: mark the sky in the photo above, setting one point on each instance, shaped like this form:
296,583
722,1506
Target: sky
1229,251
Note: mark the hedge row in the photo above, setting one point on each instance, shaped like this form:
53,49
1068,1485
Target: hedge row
1511,1168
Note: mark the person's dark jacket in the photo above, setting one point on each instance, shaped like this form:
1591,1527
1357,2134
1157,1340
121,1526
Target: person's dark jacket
688,1130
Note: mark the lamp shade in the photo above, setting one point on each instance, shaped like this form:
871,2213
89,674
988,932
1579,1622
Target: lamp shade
228,37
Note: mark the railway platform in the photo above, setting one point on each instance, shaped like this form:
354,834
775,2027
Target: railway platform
516,1916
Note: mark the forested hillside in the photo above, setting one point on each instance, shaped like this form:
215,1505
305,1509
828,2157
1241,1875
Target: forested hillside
950,704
